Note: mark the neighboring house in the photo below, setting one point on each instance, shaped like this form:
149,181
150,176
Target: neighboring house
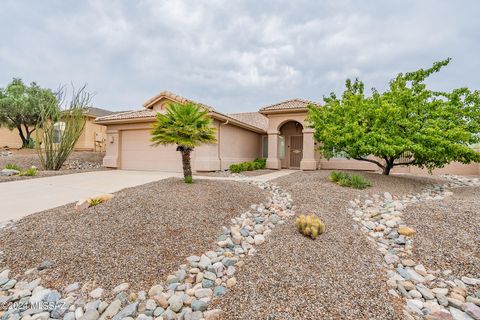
277,132
10,138
93,137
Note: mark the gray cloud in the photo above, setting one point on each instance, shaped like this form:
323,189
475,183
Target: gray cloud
234,55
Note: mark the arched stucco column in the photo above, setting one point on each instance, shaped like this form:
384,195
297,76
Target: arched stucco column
272,161
308,160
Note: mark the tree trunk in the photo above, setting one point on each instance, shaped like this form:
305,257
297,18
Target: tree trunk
22,136
187,168
387,168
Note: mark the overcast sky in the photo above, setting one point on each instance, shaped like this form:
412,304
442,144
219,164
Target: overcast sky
234,55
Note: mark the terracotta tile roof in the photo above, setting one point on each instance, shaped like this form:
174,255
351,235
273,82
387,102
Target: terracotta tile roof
289,104
136,114
252,118
167,94
97,112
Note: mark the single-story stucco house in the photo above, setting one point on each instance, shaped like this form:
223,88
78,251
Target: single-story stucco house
278,132
93,136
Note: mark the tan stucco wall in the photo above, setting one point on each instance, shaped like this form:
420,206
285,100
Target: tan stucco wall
310,156
91,133
234,145
349,164
238,145
10,138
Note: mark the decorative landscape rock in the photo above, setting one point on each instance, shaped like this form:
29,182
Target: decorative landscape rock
430,294
186,294
9,172
83,204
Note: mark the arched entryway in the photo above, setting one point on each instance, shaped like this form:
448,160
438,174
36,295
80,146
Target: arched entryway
290,144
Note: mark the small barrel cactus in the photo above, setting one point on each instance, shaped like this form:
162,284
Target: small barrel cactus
310,226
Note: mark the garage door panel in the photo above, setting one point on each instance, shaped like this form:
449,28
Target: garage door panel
138,153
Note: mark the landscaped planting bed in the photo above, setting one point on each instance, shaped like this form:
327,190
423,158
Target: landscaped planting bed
337,276
79,161
448,232
139,237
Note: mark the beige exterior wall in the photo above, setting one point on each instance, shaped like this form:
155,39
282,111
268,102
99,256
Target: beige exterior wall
237,145
234,145
93,137
10,138
349,164
275,122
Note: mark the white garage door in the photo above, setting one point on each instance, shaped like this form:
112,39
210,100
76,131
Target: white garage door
138,153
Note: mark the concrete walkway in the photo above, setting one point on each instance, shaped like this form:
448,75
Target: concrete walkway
21,198
263,177
24,197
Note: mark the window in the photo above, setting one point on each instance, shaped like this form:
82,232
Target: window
281,147
339,154
265,147
58,129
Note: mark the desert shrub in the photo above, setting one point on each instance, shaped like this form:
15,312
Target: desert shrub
359,182
95,201
188,179
310,226
349,180
12,166
30,172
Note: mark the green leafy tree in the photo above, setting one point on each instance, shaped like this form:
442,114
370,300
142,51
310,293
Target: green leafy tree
21,107
408,124
186,125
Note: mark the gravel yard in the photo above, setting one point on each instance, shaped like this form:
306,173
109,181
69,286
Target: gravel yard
79,161
339,276
448,237
139,237
227,173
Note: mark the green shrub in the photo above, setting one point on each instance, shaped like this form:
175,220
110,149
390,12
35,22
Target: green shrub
260,163
257,164
346,180
235,168
13,166
245,166
30,172
188,179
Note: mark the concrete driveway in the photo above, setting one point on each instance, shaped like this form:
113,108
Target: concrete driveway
21,198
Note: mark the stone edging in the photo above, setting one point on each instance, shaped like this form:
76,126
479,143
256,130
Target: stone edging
186,294
426,293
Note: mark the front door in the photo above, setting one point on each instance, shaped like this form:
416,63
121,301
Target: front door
296,151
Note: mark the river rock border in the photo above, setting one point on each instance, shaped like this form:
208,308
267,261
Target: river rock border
429,294
186,294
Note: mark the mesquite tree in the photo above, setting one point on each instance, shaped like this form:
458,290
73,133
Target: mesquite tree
62,127
186,125
408,124
21,108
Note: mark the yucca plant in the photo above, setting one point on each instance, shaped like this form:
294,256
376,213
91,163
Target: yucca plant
30,172
186,125
13,166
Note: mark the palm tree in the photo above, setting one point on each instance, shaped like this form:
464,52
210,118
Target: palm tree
186,125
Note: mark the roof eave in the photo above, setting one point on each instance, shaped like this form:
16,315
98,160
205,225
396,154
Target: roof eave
126,120
290,110
238,123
